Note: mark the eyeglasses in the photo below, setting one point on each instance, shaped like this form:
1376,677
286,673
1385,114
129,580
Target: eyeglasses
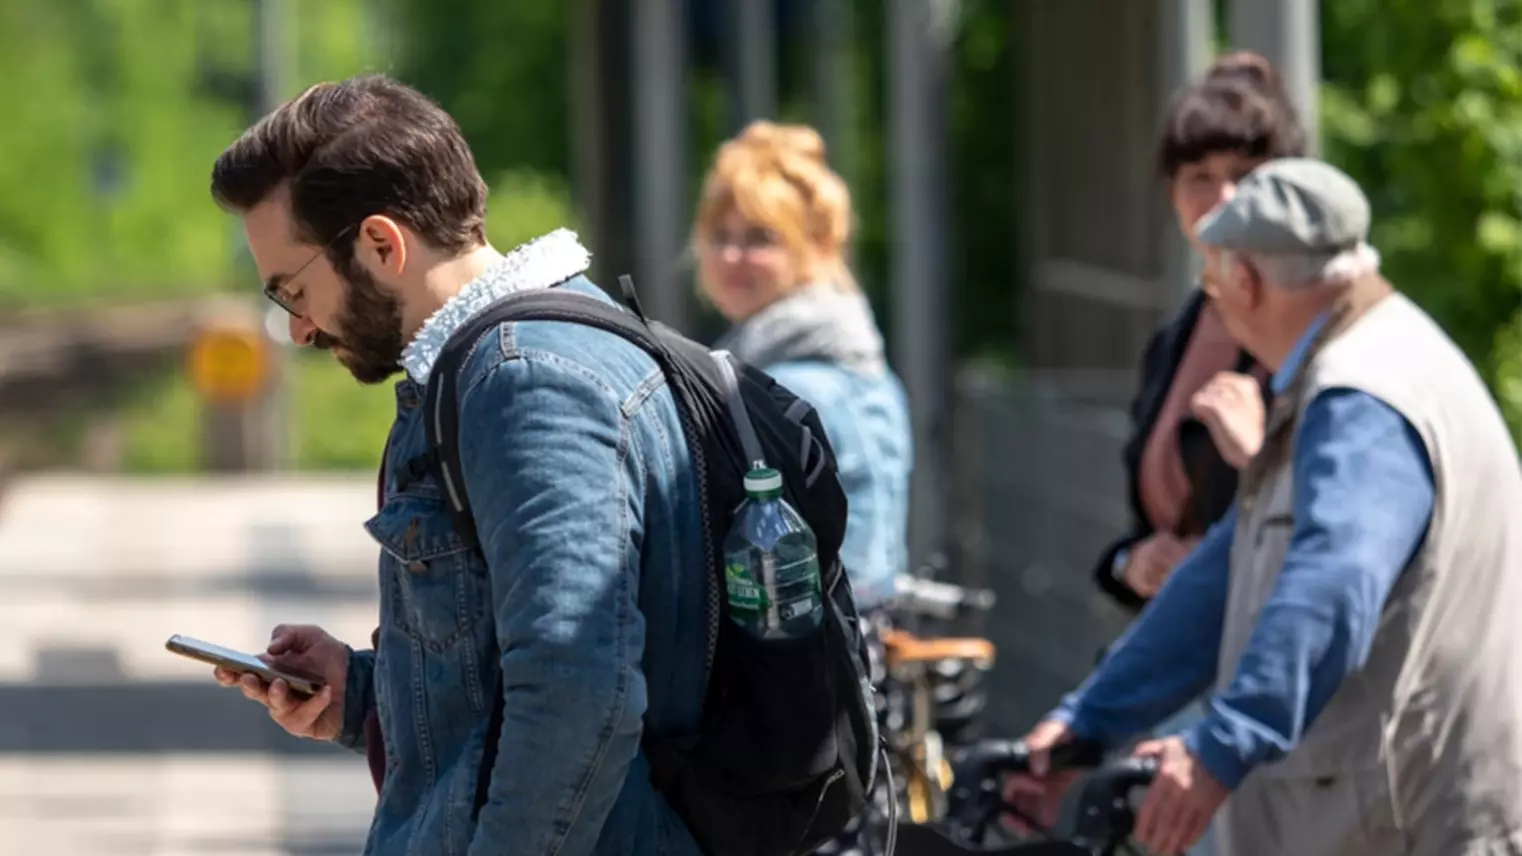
745,240
278,287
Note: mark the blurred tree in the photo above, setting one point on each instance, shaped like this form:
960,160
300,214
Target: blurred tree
1423,105
1509,374
501,69
115,112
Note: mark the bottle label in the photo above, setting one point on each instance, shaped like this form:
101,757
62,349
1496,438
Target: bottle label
745,594
799,607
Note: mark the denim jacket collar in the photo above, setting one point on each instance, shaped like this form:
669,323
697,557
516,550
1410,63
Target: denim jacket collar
540,263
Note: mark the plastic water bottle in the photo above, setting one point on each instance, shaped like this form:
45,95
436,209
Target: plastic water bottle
771,563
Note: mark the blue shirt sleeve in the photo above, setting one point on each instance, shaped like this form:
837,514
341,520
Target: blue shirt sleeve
1363,497
1168,655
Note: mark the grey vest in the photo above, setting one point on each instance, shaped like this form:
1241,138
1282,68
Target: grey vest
1420,751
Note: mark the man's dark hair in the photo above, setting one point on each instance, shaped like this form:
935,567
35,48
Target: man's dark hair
347,150
1239,106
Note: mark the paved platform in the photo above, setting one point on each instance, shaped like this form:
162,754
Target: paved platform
111,745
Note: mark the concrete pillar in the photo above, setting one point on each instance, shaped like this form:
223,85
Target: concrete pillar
834,97
1288,32
1187,39
919,33
659,74
254,434
589,128
752,40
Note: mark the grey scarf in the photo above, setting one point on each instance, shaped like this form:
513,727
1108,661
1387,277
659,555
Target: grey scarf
815,322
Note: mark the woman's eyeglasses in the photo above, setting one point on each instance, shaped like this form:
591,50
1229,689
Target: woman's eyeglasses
753,238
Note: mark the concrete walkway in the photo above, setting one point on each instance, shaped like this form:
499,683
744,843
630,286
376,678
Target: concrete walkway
111,745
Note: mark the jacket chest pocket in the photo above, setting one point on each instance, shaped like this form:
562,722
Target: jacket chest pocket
438,585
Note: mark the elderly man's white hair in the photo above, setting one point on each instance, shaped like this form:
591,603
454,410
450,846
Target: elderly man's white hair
1303,270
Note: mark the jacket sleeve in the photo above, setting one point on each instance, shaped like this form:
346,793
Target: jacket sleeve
1364,495
1103,572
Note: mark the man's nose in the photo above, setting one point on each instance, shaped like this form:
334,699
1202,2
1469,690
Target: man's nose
302,330
1228,190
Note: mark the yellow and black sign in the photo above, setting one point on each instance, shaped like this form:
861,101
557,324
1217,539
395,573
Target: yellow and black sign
229,365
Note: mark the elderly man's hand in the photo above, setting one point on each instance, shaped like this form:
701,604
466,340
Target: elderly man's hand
1038,796
1181,800
1231,406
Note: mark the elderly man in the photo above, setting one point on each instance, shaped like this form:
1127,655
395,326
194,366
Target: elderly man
1358,610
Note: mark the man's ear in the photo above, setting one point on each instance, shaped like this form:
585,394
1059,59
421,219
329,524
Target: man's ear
382,244
1252,283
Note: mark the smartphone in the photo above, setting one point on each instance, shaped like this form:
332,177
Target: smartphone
301,683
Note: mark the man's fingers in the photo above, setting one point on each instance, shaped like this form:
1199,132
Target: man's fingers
1171,815
294,715
287,638
224,677
254,689
1184,832
1147,815
1023,786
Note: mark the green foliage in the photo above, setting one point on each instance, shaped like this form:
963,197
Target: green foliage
107,145
1423,105
501,69
985,149
337,424
525,204
1508,357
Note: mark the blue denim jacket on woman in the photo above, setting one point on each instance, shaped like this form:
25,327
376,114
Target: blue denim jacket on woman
822,343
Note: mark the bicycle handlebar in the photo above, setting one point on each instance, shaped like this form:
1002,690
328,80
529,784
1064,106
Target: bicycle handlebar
1104,815
939,599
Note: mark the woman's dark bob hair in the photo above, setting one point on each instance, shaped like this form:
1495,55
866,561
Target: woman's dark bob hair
1238,106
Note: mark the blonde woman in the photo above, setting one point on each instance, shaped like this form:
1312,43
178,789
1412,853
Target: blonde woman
770,238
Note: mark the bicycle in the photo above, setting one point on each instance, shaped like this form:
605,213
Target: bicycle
932,686
930,697
1101,825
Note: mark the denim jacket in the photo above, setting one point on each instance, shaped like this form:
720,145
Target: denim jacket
593,585
866,417
822,342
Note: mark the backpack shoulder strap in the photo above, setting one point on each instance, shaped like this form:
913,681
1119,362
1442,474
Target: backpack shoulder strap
441,401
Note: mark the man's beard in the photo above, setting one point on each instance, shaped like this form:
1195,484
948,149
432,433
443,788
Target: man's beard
369,342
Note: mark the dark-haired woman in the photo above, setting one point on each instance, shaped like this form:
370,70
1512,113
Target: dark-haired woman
1198,412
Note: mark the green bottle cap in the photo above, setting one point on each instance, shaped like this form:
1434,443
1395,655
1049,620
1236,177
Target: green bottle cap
763,483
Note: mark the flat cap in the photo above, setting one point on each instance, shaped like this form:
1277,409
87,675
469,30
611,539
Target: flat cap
1291,206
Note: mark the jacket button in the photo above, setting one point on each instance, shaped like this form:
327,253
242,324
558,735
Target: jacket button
417,566
1326,781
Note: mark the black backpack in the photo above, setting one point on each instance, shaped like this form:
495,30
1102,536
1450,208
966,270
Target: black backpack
787,752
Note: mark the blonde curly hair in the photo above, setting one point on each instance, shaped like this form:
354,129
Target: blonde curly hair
776,176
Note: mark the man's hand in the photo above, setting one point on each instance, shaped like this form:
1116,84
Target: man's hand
1181,800
307,649
1039,795
1152,559
1231,406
